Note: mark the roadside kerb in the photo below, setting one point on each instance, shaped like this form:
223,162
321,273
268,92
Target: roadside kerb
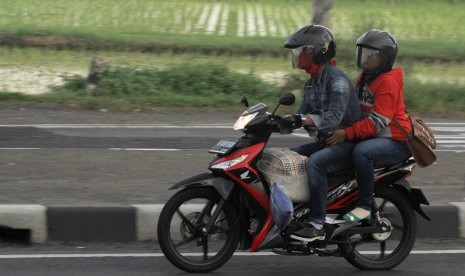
461,219
126,223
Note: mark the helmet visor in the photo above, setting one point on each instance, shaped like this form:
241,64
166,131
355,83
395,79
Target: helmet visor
367,58
296,53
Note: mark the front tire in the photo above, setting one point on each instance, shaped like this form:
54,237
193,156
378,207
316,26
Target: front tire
385,251
182,231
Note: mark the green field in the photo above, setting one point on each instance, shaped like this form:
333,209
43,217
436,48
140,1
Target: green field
430,29
43,40
410,20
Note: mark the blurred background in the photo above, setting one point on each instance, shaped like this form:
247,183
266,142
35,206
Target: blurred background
158,54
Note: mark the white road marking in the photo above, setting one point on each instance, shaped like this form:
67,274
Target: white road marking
145,255
450,142
438,137
20,148
458,124
451,128
118,149
83,126
143,149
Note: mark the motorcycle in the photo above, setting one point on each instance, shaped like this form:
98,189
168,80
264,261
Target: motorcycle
214,214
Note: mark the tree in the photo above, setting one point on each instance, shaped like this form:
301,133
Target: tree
321,10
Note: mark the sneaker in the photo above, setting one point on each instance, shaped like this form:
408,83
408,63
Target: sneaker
309,233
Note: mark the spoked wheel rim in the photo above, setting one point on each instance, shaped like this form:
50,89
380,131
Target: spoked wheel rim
388,249
193,241
198,231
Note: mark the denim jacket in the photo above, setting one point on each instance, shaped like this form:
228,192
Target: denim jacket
331,101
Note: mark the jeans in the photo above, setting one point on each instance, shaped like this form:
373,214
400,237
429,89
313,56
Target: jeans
323,160
373,153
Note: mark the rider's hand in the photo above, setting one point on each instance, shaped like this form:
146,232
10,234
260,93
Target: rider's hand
337,137
285,124
289,122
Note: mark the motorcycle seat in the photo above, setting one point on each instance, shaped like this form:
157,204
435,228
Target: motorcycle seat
350,171
347,174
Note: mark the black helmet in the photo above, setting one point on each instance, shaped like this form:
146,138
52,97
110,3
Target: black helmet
384,43
316,37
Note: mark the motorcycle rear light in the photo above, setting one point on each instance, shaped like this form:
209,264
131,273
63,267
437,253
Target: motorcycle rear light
230,163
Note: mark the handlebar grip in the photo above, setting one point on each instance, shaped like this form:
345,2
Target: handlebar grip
274,127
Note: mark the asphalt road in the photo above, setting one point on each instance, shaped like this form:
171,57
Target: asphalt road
429,257
431,264
56,155
64,156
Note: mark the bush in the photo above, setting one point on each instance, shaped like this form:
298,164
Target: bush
213,85
193,84
75,83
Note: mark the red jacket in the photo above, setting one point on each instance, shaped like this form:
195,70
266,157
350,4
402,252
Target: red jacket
381,101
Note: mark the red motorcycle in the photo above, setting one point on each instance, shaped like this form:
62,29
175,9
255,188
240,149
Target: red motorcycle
214,214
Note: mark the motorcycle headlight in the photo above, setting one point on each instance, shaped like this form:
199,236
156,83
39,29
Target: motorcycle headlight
242,122
230,163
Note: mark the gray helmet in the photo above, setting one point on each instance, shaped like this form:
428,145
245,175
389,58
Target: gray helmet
319,38
382,41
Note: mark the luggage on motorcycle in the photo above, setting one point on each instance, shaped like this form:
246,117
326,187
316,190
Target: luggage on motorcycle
288,170
281,207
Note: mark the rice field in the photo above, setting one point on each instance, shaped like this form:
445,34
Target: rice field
414,19
32,71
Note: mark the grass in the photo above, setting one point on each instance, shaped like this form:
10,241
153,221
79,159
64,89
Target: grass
212,85
67,62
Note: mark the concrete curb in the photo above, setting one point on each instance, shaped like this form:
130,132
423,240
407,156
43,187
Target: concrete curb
126,223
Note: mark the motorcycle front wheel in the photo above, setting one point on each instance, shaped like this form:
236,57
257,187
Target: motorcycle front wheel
383,251
197,230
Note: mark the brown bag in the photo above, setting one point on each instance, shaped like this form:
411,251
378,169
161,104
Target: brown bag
421,142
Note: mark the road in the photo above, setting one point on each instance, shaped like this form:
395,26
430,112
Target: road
61,156
427,258
450,136
81,163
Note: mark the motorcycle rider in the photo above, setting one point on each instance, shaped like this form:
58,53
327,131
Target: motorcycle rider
380,91
329,103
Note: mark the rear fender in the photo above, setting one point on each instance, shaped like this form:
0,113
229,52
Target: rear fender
222,185
415,196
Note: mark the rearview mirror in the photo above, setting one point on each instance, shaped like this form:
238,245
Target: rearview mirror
244,101
287,98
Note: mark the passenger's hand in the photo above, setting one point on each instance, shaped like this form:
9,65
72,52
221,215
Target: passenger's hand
337,137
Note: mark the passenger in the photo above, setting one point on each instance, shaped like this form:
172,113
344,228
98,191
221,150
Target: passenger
329,103
380,91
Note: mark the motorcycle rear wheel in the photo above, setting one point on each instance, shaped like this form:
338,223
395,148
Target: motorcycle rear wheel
383,251
182,229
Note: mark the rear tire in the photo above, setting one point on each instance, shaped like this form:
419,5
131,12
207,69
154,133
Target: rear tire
388,252
181,230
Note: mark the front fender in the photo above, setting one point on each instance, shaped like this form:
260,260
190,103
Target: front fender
222,185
